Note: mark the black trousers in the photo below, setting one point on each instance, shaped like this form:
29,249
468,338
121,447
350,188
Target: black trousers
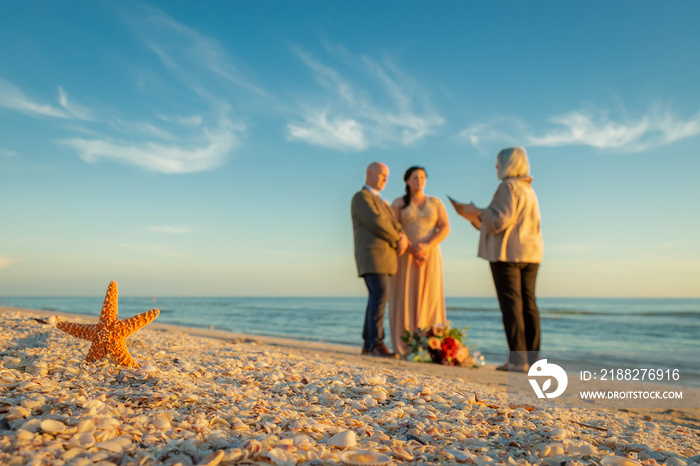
378,288
515,287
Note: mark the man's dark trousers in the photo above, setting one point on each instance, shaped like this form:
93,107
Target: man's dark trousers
378,287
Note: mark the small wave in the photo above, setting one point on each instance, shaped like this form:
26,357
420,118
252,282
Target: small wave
575,312
581,312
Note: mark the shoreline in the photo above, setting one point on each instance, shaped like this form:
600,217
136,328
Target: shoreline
233,397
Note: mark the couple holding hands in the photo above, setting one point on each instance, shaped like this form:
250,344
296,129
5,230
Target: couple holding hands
398,255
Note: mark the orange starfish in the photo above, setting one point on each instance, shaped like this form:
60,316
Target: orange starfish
108,335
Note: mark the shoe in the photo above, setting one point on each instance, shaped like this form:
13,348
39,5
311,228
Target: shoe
382,351
365,350
508,367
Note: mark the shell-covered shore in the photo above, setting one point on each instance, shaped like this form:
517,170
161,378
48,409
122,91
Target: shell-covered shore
198,400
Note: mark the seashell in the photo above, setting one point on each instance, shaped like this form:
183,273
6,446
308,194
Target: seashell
482,460
655,455
116,445
25,435
84,440
232,455
363,458
376,380
51,426
29,385
213,459
72,453
402,454
18,412
253,447
219,421
7,376
558,433
586,449
38,367
11,362
380,437
239,425
31,425
343,439
31,404
619,461
190,397
556,450
280,457
161,423
301,439
107,424
460,455
148,368
87,426
379,393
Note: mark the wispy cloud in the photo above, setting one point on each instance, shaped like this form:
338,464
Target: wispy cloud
162,157
14,98
73,109
656,128
388,108
7,153
200,78
202,73
339,133
170,229
180,47
589,127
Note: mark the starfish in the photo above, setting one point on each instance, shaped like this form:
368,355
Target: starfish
108,334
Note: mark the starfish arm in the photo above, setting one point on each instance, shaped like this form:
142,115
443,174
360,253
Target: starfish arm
120,354
97,351
127,327
84,331
109,306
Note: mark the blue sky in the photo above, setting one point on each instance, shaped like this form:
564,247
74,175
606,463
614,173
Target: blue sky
212,148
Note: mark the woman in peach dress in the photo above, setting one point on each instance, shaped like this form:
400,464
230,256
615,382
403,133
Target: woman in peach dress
416,295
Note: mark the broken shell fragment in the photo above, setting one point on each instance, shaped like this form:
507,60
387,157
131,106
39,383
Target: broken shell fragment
363,458
343,439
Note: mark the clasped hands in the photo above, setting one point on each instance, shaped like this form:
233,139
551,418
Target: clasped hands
419,251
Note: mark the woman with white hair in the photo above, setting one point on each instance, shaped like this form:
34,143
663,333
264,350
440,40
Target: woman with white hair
511,240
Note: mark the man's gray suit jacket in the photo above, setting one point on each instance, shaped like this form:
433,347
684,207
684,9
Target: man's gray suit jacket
376,234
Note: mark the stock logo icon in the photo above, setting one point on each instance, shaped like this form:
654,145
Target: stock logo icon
543,369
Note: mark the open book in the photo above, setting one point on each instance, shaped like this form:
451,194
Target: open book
460,209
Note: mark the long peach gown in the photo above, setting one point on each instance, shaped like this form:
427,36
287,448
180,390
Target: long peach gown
416,294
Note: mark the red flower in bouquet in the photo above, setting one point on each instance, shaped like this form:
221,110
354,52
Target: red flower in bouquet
441,344
450,347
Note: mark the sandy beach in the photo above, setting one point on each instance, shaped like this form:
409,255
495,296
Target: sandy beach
213,397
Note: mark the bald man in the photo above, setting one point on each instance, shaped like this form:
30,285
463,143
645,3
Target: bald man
378,240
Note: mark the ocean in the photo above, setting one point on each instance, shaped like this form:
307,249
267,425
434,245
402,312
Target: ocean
610,332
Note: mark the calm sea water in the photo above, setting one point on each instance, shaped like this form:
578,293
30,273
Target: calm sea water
645,332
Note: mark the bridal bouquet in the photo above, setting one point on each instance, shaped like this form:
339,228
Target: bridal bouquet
441,344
